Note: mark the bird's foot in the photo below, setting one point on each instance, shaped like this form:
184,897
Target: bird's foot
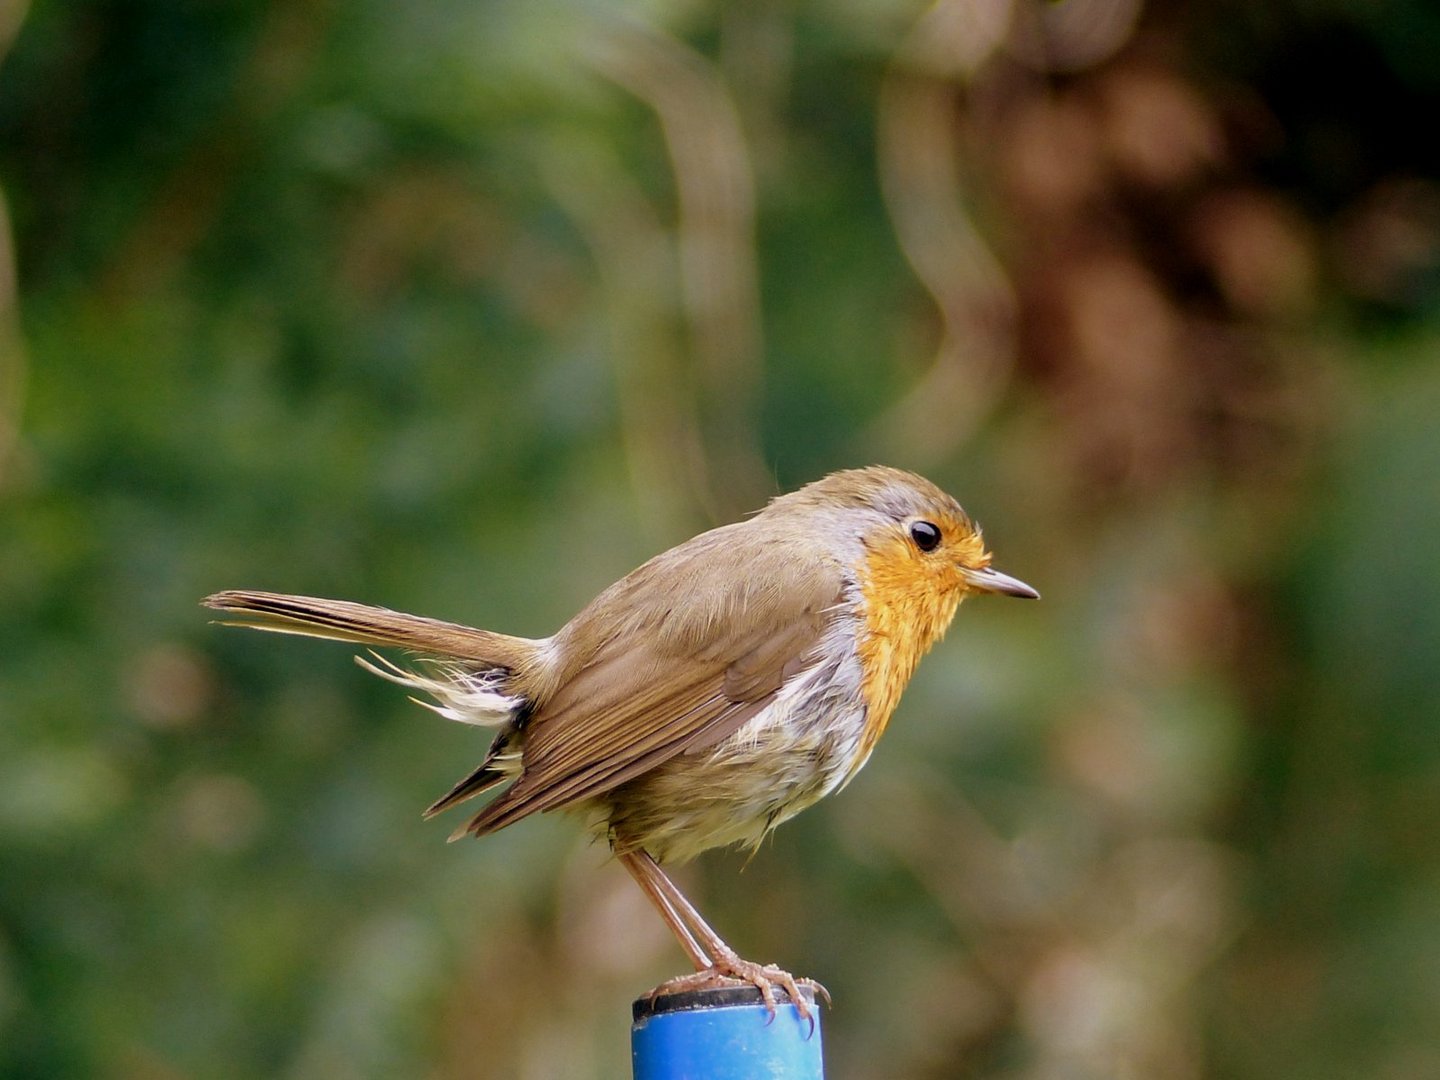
730,969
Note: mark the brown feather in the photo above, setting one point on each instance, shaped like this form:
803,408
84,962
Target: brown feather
674,657
478,781
341,620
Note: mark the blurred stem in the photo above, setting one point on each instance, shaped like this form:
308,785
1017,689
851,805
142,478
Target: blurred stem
13,360
636,263
919,152
12,16
714,239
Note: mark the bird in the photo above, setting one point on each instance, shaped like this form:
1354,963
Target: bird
703,699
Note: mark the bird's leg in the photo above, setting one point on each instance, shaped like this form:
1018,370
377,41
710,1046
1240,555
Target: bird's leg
633,862
715,962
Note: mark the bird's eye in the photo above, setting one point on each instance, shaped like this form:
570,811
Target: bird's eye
925,535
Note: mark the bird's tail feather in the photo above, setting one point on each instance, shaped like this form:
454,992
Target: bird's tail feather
342,620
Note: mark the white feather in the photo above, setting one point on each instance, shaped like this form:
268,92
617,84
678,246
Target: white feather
462,695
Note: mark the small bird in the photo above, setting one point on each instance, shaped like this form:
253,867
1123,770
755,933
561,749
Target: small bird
704,698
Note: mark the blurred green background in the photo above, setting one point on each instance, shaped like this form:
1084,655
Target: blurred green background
466,308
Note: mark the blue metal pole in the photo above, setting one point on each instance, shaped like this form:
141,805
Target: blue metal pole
725,1034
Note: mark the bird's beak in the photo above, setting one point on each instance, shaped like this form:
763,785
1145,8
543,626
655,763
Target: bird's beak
988,580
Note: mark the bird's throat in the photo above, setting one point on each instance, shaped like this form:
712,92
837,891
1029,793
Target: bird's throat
907,607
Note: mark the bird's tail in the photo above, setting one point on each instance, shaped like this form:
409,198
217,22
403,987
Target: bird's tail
477,677
342,620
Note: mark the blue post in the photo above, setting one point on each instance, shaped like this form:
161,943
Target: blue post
725,1034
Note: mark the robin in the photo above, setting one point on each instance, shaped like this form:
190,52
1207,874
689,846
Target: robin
716,691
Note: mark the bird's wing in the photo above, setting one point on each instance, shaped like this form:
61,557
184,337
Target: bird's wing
704,645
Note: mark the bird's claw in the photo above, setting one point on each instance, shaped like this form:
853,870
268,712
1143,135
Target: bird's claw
728,969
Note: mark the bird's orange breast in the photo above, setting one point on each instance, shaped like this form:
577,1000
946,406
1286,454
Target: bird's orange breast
909,602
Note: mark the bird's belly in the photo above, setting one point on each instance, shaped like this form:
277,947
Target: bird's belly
800,748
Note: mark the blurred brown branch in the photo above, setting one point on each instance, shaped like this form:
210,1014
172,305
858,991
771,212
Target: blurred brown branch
714,239
1071,35
12,17
920,180
636,262
919,162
